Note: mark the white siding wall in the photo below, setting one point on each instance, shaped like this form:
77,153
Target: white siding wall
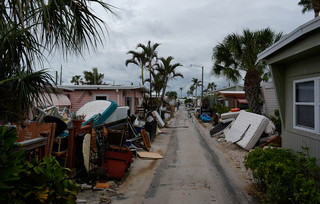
270,99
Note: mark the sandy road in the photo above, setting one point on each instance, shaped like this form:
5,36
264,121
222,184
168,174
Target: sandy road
193,170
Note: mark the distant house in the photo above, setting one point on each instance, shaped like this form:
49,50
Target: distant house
295,69
123,95
233,97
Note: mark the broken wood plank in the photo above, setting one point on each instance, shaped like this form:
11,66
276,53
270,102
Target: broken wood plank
150,155
146,139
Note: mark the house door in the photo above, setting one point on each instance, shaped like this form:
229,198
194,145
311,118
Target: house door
129,103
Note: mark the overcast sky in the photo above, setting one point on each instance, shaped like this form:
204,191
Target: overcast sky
187,30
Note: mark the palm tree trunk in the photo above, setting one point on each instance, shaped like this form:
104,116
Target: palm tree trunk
142,75
163,91
252,90
316,10
196,96
150,84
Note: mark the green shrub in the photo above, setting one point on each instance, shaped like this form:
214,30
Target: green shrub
11,165
188,100
22,181
285,177
49,182
221,108
276,121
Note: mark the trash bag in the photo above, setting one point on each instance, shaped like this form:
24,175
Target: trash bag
60,125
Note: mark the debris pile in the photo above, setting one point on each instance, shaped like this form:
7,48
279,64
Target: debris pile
98,142
245,129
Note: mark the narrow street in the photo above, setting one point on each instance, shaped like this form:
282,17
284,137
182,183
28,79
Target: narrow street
192,171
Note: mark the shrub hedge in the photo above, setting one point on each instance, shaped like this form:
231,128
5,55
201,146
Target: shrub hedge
285,176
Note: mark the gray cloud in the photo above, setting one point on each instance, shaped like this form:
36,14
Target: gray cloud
186,30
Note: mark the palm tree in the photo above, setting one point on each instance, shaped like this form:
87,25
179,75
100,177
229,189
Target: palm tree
157,83
310,5
139,59
172,95
168,71
196,84
77,80
181,88
189,92
211,86
31,29
191,89
94,77
151,57
23,89
239,53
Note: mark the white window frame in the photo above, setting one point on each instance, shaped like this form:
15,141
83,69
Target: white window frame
315,104
95,96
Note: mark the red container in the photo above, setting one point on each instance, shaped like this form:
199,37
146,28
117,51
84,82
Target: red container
115,168
117,163
235,109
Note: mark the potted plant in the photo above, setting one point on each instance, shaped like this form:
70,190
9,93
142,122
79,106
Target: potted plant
77,120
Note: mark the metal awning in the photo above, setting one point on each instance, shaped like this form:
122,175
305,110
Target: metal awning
231,92
58,100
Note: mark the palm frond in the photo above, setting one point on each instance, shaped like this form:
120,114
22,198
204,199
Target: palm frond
23,91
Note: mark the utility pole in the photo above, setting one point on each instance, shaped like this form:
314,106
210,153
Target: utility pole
201,91
202,67
61,75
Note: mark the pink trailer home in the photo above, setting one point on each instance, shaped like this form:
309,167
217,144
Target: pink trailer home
123,95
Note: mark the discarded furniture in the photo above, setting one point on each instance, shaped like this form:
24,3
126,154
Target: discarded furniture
72,149
35,147
146,139
33,130
60,149
225,122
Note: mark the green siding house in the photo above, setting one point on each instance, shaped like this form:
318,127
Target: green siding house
295,67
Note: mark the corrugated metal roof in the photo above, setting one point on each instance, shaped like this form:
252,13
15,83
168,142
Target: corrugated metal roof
294,35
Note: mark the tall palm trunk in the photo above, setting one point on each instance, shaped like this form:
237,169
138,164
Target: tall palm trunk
252,90
142,74
150,83
163,91
316,11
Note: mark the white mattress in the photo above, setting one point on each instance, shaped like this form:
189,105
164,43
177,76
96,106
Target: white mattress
119,114
230,115
251,125
159,120
93,107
